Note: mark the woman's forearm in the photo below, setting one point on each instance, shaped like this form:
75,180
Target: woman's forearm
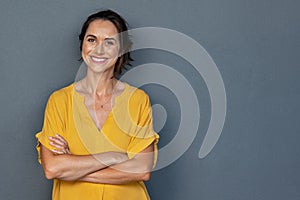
72,167
135,169
119,174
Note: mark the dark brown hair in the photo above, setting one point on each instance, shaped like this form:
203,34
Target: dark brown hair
125,42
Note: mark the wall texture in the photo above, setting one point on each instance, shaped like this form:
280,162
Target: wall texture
255,45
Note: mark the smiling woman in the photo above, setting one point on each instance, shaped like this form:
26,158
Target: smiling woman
100,48
97,140
124,43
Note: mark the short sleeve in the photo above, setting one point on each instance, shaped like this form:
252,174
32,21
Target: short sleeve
144,134
53,124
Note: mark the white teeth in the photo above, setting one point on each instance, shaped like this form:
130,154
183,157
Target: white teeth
98,59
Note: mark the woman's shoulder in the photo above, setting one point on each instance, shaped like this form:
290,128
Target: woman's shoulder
63,93
136,92
136,95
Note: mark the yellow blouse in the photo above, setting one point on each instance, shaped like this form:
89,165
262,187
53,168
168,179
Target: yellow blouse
128,129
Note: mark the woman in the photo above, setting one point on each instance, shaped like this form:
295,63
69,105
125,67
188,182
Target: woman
97,140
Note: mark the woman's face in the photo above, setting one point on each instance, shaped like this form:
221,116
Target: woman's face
100,46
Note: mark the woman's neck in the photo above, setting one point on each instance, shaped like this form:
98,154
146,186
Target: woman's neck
99,84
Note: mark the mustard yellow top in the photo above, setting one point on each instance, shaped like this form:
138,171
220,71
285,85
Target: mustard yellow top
128,129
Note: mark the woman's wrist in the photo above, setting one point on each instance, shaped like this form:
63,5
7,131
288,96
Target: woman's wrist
111,158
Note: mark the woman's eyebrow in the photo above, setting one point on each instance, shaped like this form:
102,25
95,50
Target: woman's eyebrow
110,39
90,35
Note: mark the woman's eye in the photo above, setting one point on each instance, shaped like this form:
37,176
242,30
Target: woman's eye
91,40
109,43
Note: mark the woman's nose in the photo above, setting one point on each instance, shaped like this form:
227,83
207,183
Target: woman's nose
99,49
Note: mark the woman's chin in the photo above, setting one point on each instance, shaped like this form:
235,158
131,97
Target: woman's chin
100,69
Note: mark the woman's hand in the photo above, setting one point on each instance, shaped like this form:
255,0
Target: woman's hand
59,163
107,158
60,144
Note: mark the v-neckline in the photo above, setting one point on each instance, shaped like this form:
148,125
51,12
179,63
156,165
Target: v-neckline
87,113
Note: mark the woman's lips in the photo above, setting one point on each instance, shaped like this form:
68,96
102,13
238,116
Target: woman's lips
98,59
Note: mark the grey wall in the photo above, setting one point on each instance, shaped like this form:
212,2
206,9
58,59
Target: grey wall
255,45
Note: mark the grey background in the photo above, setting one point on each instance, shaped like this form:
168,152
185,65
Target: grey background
255,45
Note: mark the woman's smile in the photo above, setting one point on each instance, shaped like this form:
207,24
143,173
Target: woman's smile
101,47
99,60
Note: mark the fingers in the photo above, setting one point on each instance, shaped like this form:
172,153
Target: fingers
61,139
58,140
58,152
60,144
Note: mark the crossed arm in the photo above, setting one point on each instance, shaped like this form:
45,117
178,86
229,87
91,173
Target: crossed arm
108,167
